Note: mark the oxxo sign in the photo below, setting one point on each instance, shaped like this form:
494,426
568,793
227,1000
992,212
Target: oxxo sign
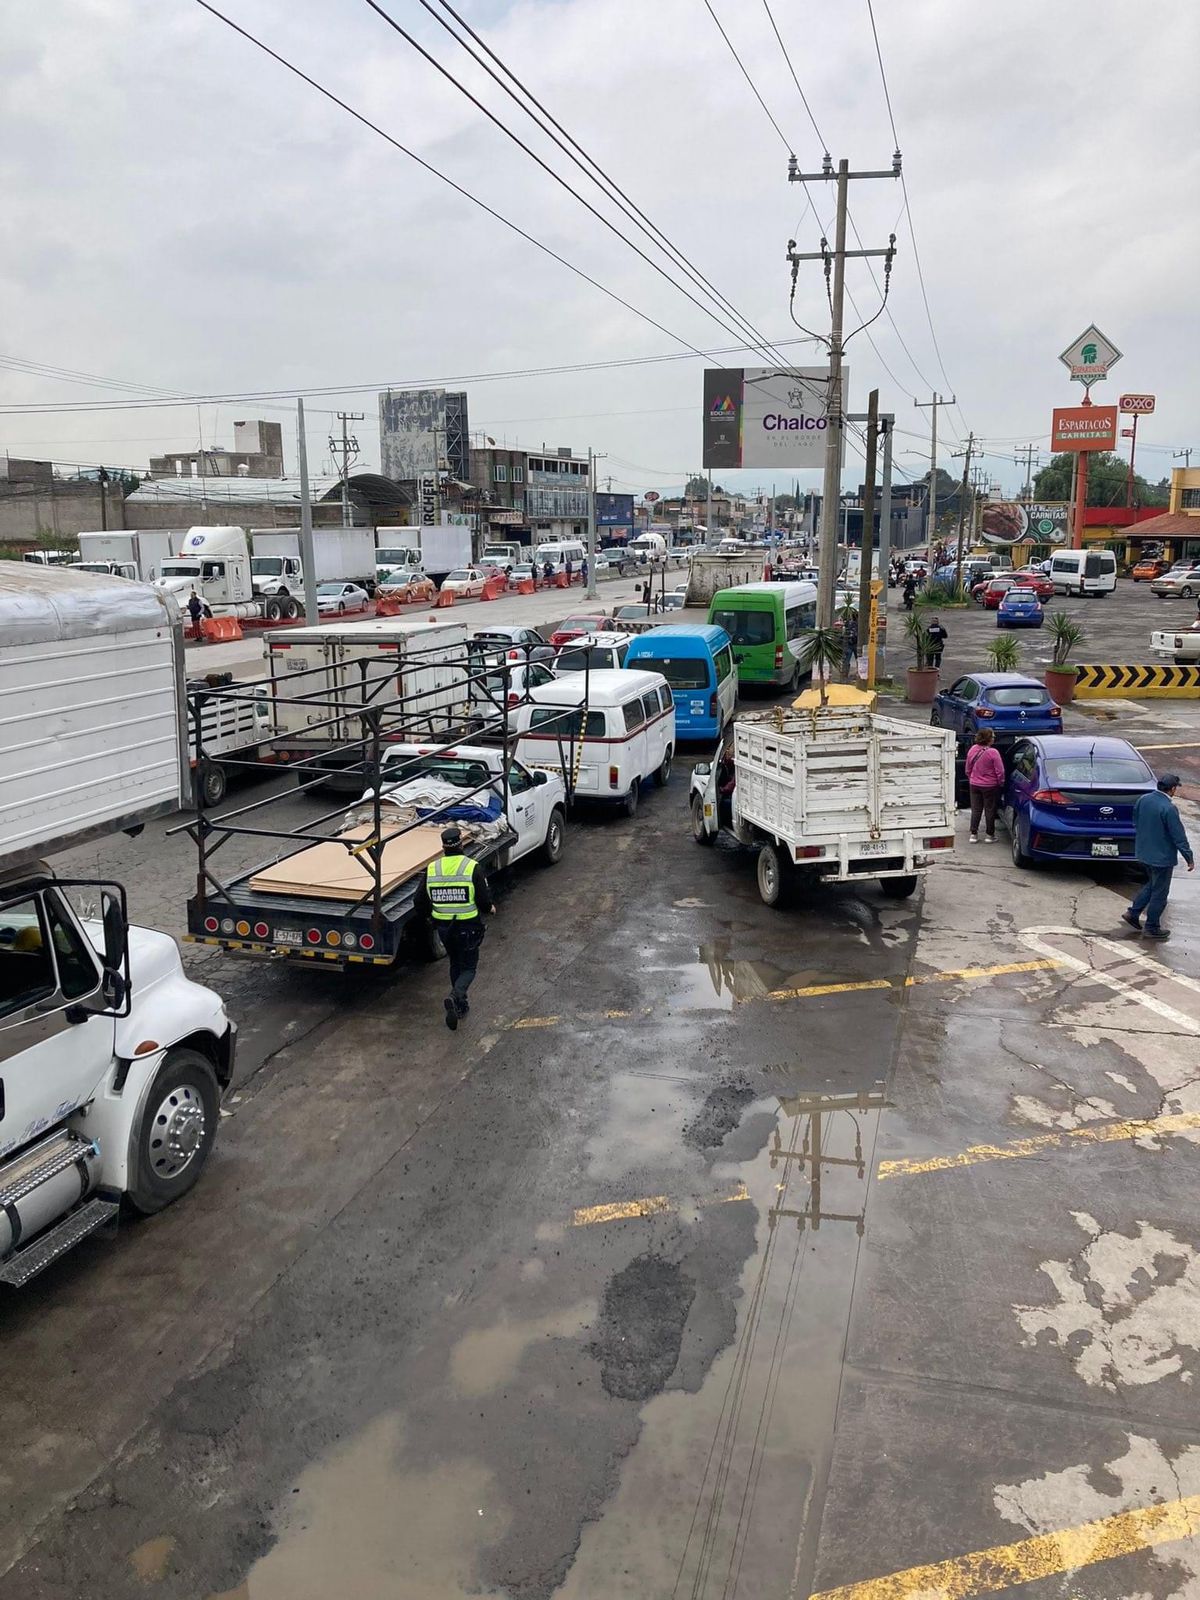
1139,404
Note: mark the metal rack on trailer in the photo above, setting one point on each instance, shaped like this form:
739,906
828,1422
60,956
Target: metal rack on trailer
364,923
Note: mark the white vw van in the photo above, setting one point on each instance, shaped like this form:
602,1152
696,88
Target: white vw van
1083,572
628,735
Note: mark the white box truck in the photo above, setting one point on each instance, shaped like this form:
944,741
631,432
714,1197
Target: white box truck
112,1062
138,554
354,666
342,555
830,794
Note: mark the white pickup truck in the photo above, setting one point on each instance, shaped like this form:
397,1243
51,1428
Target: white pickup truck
111,1061
834,794
1182,645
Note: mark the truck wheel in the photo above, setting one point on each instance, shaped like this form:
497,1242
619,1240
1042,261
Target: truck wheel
630,803
556,835
663,776
774,875
898,888
699,832
273,611
176,1132
212,782
293,609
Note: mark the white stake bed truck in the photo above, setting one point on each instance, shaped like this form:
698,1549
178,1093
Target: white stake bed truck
834,795
111,1060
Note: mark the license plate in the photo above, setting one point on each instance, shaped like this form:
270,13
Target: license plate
1102,849
877,847
287,936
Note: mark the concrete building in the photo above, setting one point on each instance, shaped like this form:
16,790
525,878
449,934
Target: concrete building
498,476
39,508
556,495
257,453
263,502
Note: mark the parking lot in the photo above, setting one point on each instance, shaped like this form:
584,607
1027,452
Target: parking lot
848,1250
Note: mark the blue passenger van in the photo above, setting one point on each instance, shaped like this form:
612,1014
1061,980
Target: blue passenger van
696,659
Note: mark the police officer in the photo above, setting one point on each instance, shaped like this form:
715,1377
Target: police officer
456,892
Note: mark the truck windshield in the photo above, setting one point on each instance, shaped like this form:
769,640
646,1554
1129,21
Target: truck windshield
401,556
180,569
267,566
747,627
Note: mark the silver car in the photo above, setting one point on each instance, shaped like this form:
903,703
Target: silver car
1181,584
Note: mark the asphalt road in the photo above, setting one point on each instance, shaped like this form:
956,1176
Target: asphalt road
724,1252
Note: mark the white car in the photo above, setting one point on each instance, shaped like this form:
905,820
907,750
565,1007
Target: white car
339,598
466,583
592,650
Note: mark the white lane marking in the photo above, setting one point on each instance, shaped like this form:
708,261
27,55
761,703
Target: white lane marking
1038,939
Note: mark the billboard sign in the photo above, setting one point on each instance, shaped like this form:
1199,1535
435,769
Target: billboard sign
766,416
650,496
1009,522
421,430
1140,404
1090,356
614,511
1084,428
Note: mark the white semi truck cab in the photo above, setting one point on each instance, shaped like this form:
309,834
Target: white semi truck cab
112,1061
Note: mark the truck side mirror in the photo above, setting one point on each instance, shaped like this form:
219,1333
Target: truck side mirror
116,934
541,777
702,769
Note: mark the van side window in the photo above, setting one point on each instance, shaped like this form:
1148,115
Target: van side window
635,717
26,966
664,698
724,664
650,703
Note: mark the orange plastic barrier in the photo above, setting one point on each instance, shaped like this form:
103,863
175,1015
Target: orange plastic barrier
387,605
220,630
495,587
560,580
445,598
526,586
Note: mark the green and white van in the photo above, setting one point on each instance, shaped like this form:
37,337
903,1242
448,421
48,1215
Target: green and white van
767,623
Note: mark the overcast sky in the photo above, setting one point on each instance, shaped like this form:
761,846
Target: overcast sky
183,214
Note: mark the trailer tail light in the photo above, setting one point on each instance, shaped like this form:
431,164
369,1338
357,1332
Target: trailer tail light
261,930
211,925
349,941
313,936
614,777
243,929
944,841
333,937
226,924
809,852
1050,797
514,700
778,655
366,941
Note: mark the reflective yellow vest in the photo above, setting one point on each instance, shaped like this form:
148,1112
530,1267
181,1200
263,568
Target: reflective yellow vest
450,883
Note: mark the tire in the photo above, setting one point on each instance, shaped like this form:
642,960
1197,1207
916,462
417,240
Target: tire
1019,857
553,843
211,782
179,1123
663,776
696,812
629,804
898,888
293,609
935,718
1187,593
773,875
273,611
341,608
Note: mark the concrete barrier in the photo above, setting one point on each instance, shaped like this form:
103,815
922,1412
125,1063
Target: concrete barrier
1105,681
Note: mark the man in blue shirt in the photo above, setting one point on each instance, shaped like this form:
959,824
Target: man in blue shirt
1160,839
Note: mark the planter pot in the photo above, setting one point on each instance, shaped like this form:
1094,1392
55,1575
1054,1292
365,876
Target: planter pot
1060,684
922,685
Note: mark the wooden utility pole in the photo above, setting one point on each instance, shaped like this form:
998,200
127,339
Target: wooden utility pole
866,565
962,512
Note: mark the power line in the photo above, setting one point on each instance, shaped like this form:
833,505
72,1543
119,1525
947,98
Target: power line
87,407
787,58
753,86
604,181
529,238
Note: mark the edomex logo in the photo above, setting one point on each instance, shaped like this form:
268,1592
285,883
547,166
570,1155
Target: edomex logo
724,408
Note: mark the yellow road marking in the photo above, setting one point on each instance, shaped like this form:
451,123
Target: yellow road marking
1189,744
1019,1149
536,1022
966,973
648,1206
1046,1555
826,988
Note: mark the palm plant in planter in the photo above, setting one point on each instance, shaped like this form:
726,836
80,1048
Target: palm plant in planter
821,653
1060,678
922,676
1004,653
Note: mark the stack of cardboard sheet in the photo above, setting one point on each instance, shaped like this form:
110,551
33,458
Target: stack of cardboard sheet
330,872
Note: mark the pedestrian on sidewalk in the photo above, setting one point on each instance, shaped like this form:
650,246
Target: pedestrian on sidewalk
1160,839
937,641
195,609
985,774
849,642
454,893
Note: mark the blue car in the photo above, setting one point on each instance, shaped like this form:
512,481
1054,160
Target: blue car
1010,704
1070,797
1020,608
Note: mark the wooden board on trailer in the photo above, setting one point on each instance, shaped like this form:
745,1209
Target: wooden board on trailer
330,872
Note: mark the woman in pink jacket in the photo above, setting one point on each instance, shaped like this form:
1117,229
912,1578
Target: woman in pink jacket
985,774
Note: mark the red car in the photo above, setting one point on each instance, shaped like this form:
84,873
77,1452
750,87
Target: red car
572,627
991,591
1034,578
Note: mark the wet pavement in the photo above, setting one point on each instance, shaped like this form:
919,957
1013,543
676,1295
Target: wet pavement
850,1249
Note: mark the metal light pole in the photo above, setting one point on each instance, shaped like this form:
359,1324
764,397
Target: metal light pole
591,529
308,558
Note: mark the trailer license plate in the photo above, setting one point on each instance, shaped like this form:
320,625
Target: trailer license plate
1100,848
876,847
287,936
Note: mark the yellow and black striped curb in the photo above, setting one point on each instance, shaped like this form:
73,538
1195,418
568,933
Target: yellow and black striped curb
1138,682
